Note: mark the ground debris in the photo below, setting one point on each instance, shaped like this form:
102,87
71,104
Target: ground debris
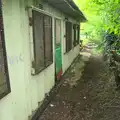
88,93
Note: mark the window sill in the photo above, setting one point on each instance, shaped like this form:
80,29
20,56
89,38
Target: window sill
5,94
68,51
41,70
76,45
71,49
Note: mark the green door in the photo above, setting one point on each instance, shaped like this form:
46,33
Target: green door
58,56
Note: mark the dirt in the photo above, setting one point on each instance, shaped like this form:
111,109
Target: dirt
91,97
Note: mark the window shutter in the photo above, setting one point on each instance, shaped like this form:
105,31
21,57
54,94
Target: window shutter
42,37
68,36
48,40
38,38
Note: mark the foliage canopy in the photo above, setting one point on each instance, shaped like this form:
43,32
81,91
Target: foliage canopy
102,15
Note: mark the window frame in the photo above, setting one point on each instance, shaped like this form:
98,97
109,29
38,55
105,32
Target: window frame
78,35
67,40
76,28
51,42
34,49
55,30
75,37
5,55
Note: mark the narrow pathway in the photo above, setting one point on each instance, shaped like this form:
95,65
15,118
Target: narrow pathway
91,96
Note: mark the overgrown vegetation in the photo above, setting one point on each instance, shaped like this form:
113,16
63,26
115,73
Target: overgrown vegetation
103,27
102,15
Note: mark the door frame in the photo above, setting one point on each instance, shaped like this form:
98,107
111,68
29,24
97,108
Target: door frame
58,18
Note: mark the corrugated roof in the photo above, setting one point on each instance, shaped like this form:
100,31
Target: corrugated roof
68,7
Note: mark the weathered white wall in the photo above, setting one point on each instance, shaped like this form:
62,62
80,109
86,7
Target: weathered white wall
13,106
68,57
26,90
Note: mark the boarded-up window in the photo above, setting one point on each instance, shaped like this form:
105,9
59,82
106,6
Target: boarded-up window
38,41
48,40
4,78
42,36
76,34
68,36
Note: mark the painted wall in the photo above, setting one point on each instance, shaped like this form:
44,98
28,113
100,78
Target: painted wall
67,58
26,90
13,106
72,54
